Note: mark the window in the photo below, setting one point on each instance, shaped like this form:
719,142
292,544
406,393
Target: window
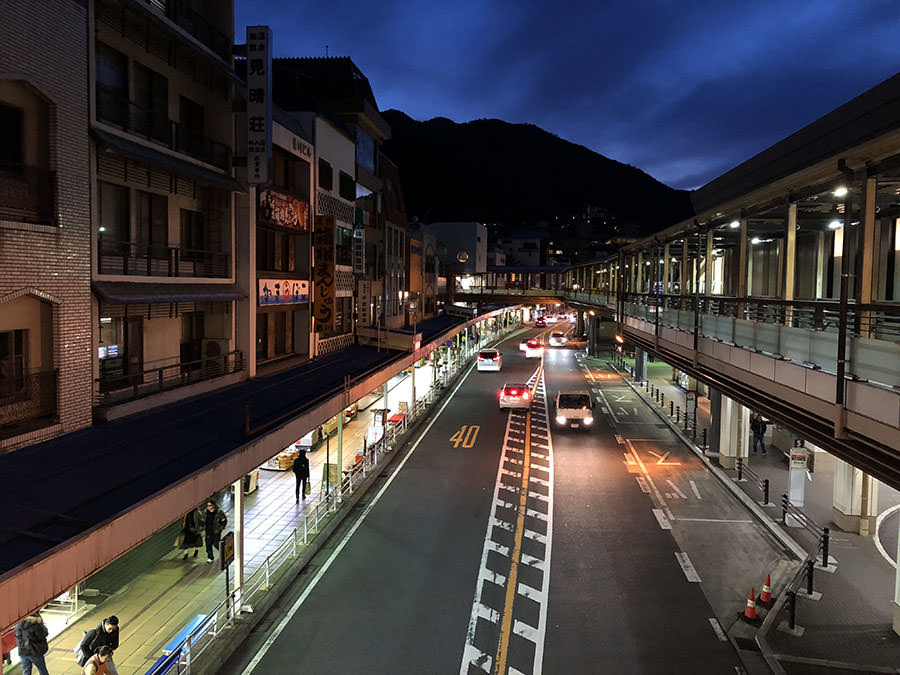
12,362
346,186
152,223
193,234
343,249
262,336
326,177
114,213
365,150
112,86
11,132
290,174
151,94
275,250
191,127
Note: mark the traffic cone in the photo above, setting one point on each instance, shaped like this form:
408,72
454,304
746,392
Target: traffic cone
765,595
749,614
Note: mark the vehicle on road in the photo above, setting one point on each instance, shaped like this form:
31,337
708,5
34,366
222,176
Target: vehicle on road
524,343
574,410
534,349
558,339
489,359
540,322
515,396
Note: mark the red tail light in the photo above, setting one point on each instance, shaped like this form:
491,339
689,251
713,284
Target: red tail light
513,392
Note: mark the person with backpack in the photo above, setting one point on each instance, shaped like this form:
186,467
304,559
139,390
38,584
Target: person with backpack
758,427
31,634
104,635
214,522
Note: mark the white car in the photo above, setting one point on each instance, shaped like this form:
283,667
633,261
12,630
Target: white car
523,344
515,396
489,359
534,349
574,410
558,339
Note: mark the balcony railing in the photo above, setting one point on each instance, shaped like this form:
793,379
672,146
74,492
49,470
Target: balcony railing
182,14
115,109
159,260
27,402
116,388
27,193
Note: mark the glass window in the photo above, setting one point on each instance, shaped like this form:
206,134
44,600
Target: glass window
12,362
11,131
262,336
112,85
347,186
326,177
152,223
365,150
114,212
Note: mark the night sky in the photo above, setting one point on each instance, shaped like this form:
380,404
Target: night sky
683,89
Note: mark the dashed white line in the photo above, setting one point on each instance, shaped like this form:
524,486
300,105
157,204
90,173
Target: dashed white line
675,487
696,491
662,520
717,628
687,567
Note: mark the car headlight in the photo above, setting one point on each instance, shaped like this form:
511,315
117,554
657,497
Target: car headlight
560,419
589,420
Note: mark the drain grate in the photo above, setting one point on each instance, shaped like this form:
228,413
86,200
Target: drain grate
746,644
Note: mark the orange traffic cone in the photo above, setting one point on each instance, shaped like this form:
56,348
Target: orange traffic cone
749,614
765,595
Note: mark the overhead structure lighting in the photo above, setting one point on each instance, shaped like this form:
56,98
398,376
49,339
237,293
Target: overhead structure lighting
755,240
835,225
734,224
840,192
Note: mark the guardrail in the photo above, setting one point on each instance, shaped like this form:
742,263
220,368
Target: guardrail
185,656
755,478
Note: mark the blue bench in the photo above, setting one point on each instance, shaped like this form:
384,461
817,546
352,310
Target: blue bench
176,641
153,669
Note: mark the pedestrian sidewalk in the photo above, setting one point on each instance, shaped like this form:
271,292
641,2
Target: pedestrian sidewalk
850,627
155,592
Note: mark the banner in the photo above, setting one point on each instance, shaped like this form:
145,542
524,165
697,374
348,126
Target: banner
283,292
323,274
275,208
259,104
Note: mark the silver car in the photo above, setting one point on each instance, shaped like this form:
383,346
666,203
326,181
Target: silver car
515,396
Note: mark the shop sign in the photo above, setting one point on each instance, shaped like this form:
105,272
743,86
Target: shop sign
292,143
323,274
259,104
799,455
281,209
283,292
226,550
364,299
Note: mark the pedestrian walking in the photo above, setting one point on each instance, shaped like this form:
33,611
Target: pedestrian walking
190,536
99,663
105,636
301,476
214,522
31,634
758,427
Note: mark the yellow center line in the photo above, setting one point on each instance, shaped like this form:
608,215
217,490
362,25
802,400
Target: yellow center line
512,581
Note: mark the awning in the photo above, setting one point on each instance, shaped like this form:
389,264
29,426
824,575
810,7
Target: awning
165,161
133,292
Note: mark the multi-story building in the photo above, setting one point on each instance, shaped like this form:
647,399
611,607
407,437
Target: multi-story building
464,246
401,302
161,90
45,227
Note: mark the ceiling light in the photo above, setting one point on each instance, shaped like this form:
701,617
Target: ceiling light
755,240
734,224
835,225
840,192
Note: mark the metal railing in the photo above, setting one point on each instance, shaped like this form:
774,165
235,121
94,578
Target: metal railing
114,389
330,501
159,260
27,193
113,107
757,480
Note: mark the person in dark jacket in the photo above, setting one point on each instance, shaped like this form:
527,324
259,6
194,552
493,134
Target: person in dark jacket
758,427
301,476
31,634
104,635
190,537
214,522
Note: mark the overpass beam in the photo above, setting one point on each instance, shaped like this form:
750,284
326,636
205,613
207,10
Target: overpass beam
855,498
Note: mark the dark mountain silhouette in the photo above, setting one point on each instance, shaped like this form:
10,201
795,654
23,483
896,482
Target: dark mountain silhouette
518,174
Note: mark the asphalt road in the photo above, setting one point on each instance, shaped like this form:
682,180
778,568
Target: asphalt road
420,582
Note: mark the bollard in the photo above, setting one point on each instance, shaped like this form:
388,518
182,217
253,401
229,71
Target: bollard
694,431
677,414
740,468
657,395
685,420
810,566
705,446
825,532
792,609
783,508
671,408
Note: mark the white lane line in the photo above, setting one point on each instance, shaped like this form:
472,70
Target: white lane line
696,491
717,628
687,567
878,544
273,636
524,630
677,491
642,483
661,519
478,658
713,520
487,613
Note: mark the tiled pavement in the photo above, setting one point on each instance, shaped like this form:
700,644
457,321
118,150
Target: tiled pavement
155,592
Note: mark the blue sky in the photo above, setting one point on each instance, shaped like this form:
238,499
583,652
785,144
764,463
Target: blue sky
684,90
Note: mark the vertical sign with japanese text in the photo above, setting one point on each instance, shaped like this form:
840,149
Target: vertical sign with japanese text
259,104
323,274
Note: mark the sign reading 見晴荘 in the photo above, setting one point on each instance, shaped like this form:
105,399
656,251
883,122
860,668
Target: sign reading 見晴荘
259,104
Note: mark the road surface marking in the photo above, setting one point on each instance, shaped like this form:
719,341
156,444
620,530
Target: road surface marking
675,487
696,491
662,520
687,567
878,544
629,460
661,459
714,520
273,636
717,628
642,482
